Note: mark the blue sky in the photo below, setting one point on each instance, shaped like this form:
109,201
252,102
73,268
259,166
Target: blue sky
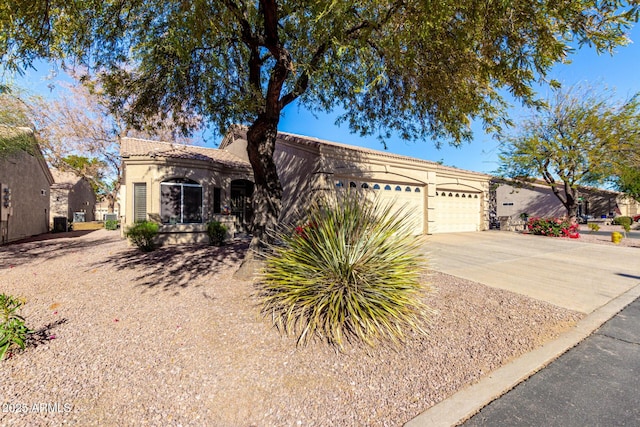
620,71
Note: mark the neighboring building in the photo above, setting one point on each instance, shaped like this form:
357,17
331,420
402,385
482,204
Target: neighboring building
71,197
537,199
102,208
183,187
24,191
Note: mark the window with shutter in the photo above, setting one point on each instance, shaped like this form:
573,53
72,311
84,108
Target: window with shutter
139,202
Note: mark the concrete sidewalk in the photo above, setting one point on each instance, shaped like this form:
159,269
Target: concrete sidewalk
598,280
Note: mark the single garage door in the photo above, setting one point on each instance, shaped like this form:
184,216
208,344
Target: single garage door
409,196
456,211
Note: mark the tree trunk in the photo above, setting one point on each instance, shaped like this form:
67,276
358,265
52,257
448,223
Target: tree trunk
571,203
267,194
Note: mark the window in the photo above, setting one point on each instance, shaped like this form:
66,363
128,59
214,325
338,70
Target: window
180,202
408,189
352,184
387,187
417,190
139,202
339,184
398,188
365,185
216,200
376,187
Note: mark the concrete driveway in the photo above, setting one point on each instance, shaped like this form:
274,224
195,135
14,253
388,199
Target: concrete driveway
570,274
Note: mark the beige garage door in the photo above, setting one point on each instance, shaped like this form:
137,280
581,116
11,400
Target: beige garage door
456,211
409,196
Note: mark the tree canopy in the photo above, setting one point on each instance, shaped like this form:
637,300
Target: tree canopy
584,138
423,69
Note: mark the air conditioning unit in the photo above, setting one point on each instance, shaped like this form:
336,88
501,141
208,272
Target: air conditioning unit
79,217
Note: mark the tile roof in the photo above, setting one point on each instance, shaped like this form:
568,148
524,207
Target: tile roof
64,177
135,147
240,132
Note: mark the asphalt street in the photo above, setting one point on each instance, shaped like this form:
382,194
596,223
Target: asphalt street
592,384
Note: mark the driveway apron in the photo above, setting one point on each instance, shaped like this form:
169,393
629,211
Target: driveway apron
570,274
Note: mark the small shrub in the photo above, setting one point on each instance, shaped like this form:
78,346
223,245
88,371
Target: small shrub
622,220
554,227
13,331
351,270
594,227
216,232
111,224
142,234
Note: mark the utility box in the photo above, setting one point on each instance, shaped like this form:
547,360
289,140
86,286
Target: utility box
78,217
59,224
6,208
111,217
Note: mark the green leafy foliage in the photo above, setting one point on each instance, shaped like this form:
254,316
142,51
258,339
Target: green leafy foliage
216,232
352,270
624,221
627,179
111,224
577,141
143,234
13,331
553,227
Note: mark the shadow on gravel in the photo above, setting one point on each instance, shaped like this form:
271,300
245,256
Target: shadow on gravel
174,267
48,246
44,334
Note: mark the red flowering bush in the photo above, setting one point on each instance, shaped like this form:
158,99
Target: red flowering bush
554,227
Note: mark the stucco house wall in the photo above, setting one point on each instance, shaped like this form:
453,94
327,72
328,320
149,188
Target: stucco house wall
27,177
307,165
436,198
69,194
537,199
150,163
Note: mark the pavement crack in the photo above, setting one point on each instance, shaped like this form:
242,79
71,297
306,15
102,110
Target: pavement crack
619,339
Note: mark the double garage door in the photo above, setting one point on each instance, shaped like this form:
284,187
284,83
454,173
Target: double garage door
455,211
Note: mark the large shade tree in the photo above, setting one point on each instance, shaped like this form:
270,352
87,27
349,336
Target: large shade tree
423,69
585,137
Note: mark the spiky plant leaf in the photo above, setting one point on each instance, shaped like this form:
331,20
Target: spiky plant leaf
351,271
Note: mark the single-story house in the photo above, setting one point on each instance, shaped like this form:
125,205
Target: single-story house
537,199
102,209
72,197
183,187
24,190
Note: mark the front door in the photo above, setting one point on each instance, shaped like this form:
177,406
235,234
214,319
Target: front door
241,203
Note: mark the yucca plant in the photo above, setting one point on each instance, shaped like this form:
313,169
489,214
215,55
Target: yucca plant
351,269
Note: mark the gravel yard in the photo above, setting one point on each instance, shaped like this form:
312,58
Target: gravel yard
587,236
170,338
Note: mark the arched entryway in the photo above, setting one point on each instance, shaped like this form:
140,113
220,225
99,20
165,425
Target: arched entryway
241,203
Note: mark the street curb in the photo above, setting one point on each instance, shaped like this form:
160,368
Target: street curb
469,401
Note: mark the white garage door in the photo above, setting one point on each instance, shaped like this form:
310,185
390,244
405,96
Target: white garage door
456,211
411,197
